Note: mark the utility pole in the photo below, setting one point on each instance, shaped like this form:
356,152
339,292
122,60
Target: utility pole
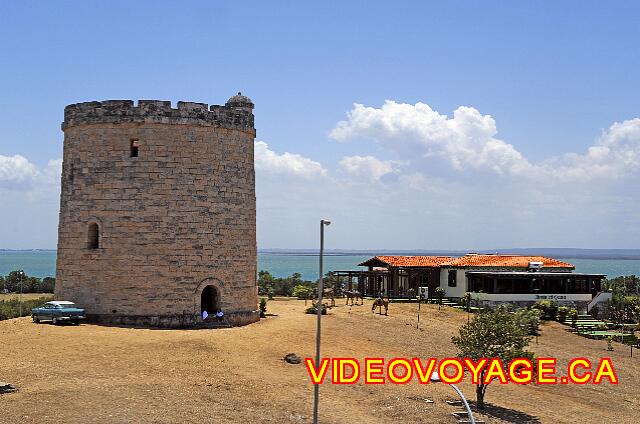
319,308
21,274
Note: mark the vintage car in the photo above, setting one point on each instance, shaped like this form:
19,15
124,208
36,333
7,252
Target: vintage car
58,311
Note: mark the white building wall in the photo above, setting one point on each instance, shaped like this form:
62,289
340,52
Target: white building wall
461,282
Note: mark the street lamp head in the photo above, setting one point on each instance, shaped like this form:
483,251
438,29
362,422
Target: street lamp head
435,378
325,222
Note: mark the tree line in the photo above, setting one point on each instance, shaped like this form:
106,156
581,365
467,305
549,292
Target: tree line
294,285
624,306
11,283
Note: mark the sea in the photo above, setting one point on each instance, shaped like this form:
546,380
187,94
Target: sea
42,263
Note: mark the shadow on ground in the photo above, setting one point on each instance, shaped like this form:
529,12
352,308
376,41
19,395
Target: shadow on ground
506,414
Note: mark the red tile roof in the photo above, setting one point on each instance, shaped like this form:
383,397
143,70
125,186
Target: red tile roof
470,260
507,261
409,261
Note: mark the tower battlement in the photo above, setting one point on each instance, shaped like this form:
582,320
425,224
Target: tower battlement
234,115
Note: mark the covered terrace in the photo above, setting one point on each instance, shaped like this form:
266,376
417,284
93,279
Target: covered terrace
395,276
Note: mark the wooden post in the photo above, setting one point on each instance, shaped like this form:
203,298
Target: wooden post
419,302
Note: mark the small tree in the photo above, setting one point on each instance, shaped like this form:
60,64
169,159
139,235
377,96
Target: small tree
301,291
265,282
466,301
573,316
263,307
439,295
492,334
529,320
548,308
563,311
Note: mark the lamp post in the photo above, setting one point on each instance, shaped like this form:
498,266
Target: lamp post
20,273
435,378
316,387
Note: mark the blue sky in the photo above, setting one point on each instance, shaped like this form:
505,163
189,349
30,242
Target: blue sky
553,76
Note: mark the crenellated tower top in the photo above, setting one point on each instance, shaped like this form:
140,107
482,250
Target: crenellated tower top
236,114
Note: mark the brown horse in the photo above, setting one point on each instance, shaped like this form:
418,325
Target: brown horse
351,295
381,301
326,294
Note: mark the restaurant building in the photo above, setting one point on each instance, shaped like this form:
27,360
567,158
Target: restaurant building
490,279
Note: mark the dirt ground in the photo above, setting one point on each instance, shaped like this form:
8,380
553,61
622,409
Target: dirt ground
99,374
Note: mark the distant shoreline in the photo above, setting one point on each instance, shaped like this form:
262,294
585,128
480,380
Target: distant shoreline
284,262
560,253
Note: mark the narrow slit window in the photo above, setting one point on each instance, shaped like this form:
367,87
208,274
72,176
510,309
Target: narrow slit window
93,237
135,144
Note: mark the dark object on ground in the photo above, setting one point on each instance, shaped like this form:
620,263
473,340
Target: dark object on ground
6,387
292,358
313,310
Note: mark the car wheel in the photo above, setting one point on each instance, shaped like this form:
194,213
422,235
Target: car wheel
54,321
36,319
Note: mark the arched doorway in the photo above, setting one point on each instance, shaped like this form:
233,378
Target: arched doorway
209,300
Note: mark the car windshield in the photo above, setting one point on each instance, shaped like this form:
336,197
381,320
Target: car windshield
59,306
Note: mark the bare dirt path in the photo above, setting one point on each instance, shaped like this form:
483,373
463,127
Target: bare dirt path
97,374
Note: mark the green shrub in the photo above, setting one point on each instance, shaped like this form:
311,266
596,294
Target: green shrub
573,316
548,308
313,310
11,308
439,292
562,313
465,301
263,307
301,291
529,320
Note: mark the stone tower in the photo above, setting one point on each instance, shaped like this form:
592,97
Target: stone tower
158,212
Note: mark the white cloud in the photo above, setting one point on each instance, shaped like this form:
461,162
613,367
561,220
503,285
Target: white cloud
52,172
17,170
369,167
466,141
30,198
19,175
292,164
615,155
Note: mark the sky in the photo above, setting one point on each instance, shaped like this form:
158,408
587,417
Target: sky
411,125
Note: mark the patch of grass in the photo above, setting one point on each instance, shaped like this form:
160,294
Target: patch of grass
26,296
10,308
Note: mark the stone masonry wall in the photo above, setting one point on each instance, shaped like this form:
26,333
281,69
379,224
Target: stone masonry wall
173,220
